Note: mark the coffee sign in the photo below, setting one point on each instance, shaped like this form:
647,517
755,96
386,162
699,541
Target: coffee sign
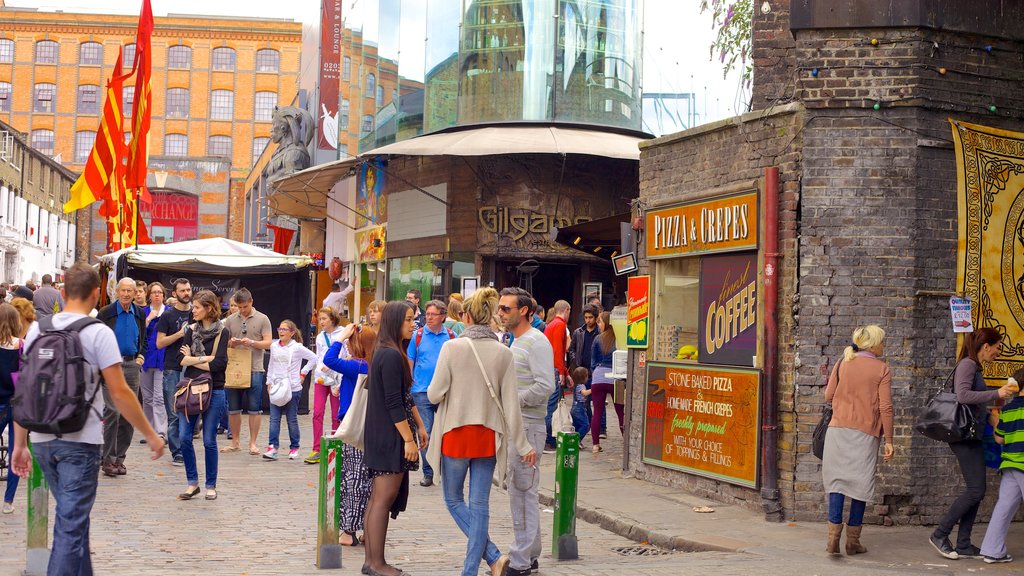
703,421
718,225
727,330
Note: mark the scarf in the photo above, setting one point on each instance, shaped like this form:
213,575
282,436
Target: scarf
199,334
478,332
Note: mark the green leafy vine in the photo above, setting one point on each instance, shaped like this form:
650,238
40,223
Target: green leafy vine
733,42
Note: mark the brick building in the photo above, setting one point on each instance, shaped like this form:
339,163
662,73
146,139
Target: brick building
215,83
851,105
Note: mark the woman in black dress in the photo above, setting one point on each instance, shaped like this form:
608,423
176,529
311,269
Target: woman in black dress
392,426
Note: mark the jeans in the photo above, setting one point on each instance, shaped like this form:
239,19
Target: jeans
118,431
471,519
291,413
1011,492
72,471
580,421
151,384
426,410
524,501
321,394
553,400
187,426
971,456
171,379
251,398
7,420
835,509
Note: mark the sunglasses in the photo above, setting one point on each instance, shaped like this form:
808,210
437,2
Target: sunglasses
505,309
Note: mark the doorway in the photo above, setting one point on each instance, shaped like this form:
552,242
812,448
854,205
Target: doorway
550,281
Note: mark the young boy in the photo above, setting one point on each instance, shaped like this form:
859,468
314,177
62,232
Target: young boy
1009,431
580,420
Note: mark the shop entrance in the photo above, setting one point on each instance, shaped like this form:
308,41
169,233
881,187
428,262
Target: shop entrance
549,281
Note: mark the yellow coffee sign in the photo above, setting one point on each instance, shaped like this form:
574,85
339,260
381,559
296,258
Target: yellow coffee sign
718,225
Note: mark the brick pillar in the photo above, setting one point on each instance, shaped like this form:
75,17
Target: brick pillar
773,53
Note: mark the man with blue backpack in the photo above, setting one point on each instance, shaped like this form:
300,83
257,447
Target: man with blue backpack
424,348
69,357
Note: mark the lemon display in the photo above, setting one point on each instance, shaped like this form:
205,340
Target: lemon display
638,330
687,352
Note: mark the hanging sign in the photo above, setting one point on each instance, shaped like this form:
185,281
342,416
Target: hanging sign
718,225
960,310
637,315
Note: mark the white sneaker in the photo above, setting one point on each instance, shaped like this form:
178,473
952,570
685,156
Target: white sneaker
293,454
8,507
270,454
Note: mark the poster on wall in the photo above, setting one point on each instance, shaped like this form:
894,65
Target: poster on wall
638,291
371,244
727,322
703,421
371,202
990,223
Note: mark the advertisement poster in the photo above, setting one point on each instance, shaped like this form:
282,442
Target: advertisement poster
330,62
717,225
703,421
960,310
727,328
638,292
371,244
371,203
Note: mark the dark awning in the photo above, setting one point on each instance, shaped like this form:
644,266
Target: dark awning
601,237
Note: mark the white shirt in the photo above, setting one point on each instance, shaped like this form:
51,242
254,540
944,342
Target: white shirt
323,343
336,299
285,362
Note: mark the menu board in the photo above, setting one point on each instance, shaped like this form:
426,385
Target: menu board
704,421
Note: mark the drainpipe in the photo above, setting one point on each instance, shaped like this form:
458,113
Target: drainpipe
770,501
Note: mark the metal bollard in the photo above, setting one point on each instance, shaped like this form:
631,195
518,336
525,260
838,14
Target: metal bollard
328,551
37,555
567,460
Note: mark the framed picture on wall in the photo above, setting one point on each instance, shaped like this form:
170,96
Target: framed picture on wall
591,289
470,284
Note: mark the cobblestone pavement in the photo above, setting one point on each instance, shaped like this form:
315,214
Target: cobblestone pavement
263,523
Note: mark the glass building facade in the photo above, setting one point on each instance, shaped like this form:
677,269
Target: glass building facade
436,64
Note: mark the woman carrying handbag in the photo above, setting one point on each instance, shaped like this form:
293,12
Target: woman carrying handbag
477,425
977,348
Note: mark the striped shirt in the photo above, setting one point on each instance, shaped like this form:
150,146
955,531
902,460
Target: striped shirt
1011,428
535,372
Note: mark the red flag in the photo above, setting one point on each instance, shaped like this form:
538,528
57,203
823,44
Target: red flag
138,149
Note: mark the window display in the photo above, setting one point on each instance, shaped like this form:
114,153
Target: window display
676,321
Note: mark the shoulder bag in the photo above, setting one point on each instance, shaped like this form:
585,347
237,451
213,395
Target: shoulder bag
944,418
818,437
192,395
352,429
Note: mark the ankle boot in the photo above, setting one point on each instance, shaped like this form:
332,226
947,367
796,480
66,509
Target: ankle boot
835,532
853,545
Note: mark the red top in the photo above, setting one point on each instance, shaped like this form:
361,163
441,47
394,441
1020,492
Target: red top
471,441
557,334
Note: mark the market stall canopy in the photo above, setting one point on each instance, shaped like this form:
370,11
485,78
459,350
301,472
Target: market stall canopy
493,140
304,194
207,255
601,237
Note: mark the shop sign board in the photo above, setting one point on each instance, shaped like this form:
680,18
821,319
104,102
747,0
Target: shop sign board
727,330
703,421
371,244
638,292
717,225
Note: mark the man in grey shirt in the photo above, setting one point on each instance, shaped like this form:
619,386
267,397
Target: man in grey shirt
47,299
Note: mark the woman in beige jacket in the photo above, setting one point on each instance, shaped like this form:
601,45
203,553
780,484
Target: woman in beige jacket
477,421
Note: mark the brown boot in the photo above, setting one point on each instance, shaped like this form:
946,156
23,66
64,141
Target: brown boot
835,532
853,545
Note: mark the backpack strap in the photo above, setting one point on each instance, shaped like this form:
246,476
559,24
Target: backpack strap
77,325
45,324
451,335
419,336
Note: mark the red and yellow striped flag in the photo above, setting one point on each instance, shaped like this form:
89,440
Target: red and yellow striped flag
138,149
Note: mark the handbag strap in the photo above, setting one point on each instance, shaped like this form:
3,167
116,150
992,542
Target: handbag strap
487,379
949,379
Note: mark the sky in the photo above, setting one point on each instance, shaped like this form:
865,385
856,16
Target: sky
676,46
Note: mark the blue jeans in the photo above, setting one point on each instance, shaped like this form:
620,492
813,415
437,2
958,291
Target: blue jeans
552,406
471,519
835,509
187,427
7,420
171,379
580,420
291,413
426,410
72,470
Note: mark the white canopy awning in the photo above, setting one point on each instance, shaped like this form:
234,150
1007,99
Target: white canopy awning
304,194
511,139
213,251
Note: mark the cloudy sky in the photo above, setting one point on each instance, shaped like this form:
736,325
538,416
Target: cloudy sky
676,41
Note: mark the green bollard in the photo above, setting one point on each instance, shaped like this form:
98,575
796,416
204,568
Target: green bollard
37,555
328,551
567,462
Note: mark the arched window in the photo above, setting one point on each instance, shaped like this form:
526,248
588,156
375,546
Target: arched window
380,96
84,140
268,60
265,103
128,57
258,145
346,68
219,146
176,145
127,101
367,125
222,105
91,54
177,103
88,99
371,85
45,94
46,52
42,140
5,97
6,51
343,117
224,59
179,56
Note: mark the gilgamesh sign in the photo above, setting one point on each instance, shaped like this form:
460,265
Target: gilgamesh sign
703,421
717,225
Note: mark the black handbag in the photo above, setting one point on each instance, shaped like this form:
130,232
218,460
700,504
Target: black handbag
946,420
818,437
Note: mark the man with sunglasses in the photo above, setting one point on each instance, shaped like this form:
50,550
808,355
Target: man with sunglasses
170,329
250,329
534,360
